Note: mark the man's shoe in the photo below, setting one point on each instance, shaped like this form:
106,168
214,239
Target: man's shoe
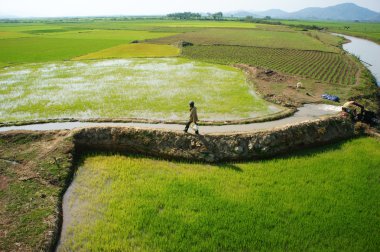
197,132
185,130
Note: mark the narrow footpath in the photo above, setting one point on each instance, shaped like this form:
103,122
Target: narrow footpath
306,113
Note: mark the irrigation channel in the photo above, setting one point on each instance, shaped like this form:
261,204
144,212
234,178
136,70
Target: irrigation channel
305,113
367,51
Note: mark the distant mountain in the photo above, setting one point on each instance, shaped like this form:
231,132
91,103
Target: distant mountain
240,14
344,12
347,11
376,19
273,13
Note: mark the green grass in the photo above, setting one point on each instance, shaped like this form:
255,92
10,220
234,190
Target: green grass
155,88
323,66
120,35
65,45
24,50
366,30
30,190
11,34
28,27
47,26
250,37
151,24
324,199
133,51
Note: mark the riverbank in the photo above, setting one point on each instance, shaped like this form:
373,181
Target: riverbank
366,51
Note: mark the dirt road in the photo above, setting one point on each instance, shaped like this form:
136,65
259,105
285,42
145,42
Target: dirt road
305,113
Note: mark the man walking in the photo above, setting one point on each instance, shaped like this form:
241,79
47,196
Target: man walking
193,119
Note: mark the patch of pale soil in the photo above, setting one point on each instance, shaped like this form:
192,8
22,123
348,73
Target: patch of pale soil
3,182
280,88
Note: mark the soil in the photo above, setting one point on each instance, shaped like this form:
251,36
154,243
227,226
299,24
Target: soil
304,113
281,88
3,182
28,157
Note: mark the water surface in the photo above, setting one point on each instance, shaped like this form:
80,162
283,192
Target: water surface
367,51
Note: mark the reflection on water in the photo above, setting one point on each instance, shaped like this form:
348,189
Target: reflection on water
367,51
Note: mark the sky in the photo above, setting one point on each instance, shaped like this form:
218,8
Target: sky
56,8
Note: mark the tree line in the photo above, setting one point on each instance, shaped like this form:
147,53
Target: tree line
192,16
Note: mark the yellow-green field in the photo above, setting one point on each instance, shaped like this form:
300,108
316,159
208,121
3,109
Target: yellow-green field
320,200
52,45
133,51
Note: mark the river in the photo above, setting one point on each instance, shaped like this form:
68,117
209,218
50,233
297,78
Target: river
367,51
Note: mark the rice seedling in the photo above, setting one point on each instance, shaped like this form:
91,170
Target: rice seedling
157,88
325,66
322,199
133,51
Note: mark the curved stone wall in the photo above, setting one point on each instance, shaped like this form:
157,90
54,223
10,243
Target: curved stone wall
213,148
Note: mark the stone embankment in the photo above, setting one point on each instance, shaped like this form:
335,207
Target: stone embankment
213,148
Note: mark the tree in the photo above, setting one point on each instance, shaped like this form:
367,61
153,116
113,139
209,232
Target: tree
248,19
217,16
184,15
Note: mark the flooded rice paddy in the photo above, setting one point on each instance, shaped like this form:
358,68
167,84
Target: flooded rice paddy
158,88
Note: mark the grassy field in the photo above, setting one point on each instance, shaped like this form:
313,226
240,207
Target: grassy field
364,30
133,51
52,46
322,199
31,184
51,40
251,37
307,54
138,88
323,66
152,24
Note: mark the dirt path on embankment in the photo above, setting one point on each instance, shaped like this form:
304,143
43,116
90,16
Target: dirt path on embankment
305,113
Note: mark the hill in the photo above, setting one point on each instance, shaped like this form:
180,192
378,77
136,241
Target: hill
344,12
347,11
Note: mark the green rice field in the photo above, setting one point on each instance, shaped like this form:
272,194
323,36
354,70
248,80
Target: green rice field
63,45
324,199
58,81
321,199
310,51
324,66
252,37
365,30
133,51
149,88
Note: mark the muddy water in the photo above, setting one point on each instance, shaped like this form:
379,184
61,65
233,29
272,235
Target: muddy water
367,51
305,113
